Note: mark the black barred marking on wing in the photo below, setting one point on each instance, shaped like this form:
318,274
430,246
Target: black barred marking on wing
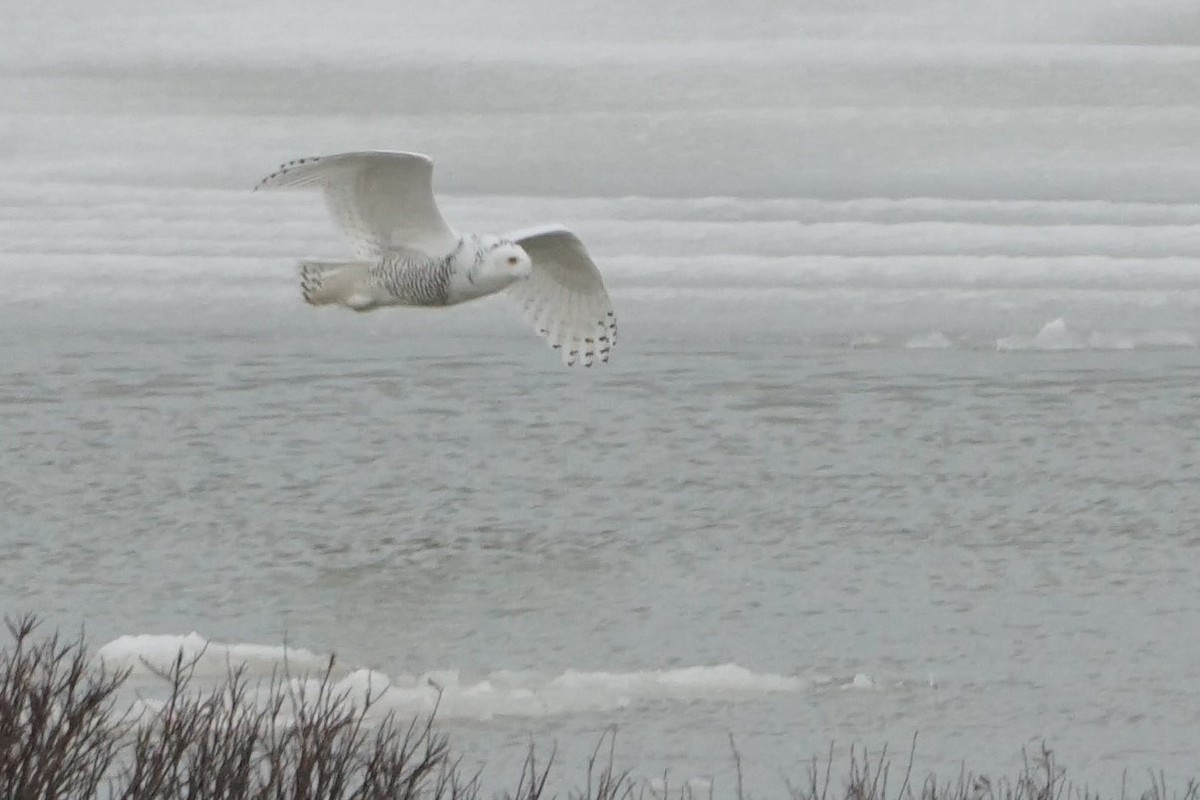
285,168
587,344
593,348
310,283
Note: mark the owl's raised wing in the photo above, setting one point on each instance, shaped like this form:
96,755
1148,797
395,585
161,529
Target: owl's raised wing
564,299
379,199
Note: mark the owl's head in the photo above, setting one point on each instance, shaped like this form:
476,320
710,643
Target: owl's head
507,258
499,263
486,265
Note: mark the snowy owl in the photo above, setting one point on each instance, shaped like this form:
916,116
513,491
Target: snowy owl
406,254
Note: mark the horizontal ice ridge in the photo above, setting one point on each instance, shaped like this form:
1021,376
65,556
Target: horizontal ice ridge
368,40
45,200
653,238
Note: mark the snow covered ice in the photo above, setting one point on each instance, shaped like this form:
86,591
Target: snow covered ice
503,693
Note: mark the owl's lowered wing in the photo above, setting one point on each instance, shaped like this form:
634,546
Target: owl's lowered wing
564,299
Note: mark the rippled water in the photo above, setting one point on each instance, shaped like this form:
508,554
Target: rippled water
900,435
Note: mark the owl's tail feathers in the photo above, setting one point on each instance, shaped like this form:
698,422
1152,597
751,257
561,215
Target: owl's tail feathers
346,283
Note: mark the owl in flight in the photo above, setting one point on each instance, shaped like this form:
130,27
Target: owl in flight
406,255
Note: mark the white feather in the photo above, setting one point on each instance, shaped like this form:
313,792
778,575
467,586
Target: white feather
565,299
380,199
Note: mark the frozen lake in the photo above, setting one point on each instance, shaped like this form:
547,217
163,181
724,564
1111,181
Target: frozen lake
900,435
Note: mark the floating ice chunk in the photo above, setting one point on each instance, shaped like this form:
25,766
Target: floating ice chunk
573,691
865,340
683,681
861,681
935,340
726,678
1054,335
501,693
158,653
362,682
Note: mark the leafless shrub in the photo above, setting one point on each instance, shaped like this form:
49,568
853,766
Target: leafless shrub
602,780
56,716
307,739
1041,778
61,738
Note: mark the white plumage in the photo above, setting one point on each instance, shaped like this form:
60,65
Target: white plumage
406,254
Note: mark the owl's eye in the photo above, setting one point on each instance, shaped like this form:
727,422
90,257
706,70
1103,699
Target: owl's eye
513,261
